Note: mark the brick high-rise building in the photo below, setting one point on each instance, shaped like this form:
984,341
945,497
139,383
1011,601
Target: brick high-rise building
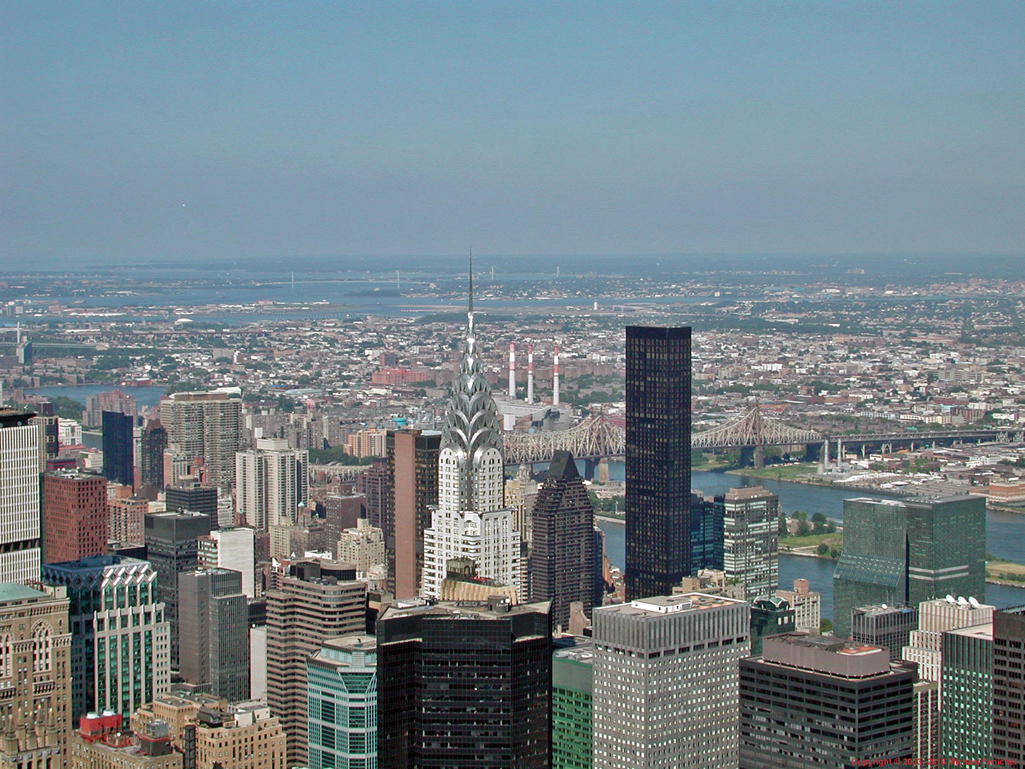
658,417
412,467
75,516
316,601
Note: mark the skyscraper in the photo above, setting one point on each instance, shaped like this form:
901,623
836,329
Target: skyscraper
966,694
412,483
118,448
207,425
666,681
706,533
342,685
562,555
271,481
471,521
20,534
35,677
657,459
887,626
172,548
120,646
909,551
465,685
1008,701
751,540
809,702
187,494
312,604
572,695
213,632
151,455
75,516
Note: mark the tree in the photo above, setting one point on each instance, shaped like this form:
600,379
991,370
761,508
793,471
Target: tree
825,626
822,549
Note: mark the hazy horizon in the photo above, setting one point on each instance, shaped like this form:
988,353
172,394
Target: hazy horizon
196,132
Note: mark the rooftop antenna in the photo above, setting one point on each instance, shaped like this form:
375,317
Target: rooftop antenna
293,280
471,279
398,286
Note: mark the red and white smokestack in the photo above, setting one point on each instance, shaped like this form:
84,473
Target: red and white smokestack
530,373
512,370
555,377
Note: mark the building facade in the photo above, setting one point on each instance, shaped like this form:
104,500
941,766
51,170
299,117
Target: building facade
807,606
656,661
213,632
151,455
658,417
412,483
35,677
1008,698
562,551
120,655
230,548
119,448
966,704
207,425
271,482
572,698
751,540
172,547
471,521
342,701
809,702
909,551
465,685
20,502
311,605
886,626
75,516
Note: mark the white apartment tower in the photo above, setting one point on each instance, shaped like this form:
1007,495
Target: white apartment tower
667,682
471,520
271,481
19,497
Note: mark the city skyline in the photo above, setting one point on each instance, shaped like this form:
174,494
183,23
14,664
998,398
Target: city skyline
213,133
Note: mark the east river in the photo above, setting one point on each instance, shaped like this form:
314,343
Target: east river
1005,532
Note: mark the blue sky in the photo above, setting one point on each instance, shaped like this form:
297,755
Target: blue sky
133,132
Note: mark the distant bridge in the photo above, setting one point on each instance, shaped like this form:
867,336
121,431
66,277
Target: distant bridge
599,437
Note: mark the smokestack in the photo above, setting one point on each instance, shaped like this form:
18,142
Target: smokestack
555,378
512,370
530,373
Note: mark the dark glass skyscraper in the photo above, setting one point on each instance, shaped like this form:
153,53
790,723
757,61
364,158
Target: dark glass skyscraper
562,557
658,530
118,453
465,685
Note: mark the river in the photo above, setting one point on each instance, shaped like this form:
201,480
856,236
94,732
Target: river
1005,532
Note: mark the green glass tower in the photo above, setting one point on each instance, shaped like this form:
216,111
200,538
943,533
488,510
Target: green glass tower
342,699
966,717
906,552
572,691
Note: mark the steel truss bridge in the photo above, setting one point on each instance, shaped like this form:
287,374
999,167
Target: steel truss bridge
599,437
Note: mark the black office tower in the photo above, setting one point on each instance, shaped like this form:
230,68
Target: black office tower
562,555
465,685
658,548
151,455
172,549
118,451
